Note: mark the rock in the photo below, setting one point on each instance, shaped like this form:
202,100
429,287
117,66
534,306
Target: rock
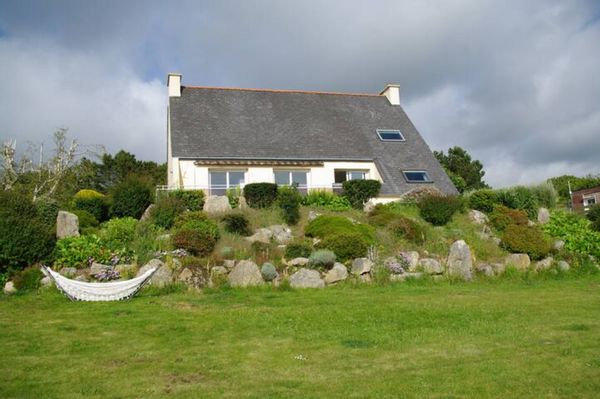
219,271
312,215
163,276
559,245
563,266
245,274
411,258
460,260
393,265
544,264
498,268
337,273
281,234
229,264
216,205
406,276
365,278
369,206
268,272
262,235
147,212
68,272
47,282
9,288
485,269
194,277
361,266
81,278
298,262
431,266
478,217
67,225
519,261
306,278
96,268
185,275
543,216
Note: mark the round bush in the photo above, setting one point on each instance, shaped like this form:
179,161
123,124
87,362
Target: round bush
326,199
381,215
346,246
519,198
166,209
410,230
298,250
483,200
268,272
328,225
28,279
502,217
360,191
193,200
119,232
237,223
526,239
187,217
93,202
77,251
198,237
322,259
260,195
288,199
438,210
131,198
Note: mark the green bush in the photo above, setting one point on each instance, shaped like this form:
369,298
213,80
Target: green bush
519,198
593,216
526,239
47,210
545,194
288,200
346,246
198,237
77,251
382,215
301,249
409,229
147,241
187,217
25,238
237,223
166,209
233,196
28,279
438,210
260,195
483,200
193,200
131,198
85,219
360,191
329,225
322,259
326,199
575,231
92,202
119,233
268,272
502,217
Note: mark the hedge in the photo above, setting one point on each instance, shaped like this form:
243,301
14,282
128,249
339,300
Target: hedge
360,191
260,195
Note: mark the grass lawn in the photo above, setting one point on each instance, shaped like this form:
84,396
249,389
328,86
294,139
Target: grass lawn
505,339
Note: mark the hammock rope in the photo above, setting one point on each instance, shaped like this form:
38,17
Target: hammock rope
111,291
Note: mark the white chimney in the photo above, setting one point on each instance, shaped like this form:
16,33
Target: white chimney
174,84
392,92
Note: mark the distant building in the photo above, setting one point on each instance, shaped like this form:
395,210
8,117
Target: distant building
582,200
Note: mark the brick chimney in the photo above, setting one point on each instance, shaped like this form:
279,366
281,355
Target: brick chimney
392,92
174,84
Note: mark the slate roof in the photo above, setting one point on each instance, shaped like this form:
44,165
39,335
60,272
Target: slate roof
213,123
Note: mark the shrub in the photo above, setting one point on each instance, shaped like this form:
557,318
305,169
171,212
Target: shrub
300,249
438,210
594,217
193,200
410,230
24,236
260,195
92,202
346,246
575,231
545,194
329,225
47,210
483,200
187,217
526,239
119,233
237,223
131,197
268,272
288,199
326,199
519,198
79,251
85,219
322,259
227,253
166,209
381,215
233,196
360,191
146,241
28,279
502,217
198,237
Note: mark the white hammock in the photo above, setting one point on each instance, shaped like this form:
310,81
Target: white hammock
113,291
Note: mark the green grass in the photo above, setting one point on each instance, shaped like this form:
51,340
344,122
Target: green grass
516,337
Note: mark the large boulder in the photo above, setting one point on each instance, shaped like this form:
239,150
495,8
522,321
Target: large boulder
281,234
9,288
245,274
563,266
518,261
411,258
163,276
337,273
361,266
147,212
543,216
263,235
485,269
216,205
298,262
306,278
460,261
478,217
393,265
194,277
67,225
96,268
431,266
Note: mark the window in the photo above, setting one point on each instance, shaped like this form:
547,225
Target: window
390,135
221,180
290,177
416,176
341,176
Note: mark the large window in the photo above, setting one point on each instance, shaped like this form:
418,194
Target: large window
341,176
390,135
292,177
416,176
222,180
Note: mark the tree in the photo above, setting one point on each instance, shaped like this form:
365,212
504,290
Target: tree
466,173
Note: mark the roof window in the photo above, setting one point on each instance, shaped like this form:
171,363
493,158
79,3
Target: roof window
390,135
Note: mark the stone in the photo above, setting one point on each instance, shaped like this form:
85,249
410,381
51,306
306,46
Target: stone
262,235
298,262
9,288
478,217
365,278
563,266
281,234
361,266
411,258
485,269
147,212
498,268
163,276
460,261
369,205
393,265
219,271
431,266
229,264
306,278
81,278
68,272
312,215
559,245
406,276
543,216
47,282
544,264
337,273
519,261
67,225
96,268
245,274
216,205
194,277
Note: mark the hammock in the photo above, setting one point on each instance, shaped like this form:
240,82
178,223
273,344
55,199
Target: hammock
113,291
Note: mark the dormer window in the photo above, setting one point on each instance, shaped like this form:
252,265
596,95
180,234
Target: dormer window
390,135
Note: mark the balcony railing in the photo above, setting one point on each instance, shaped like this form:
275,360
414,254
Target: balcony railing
221,189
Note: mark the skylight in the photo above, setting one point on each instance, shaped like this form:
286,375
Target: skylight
416,176
390,135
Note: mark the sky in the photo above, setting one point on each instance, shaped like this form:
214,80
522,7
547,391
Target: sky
515,83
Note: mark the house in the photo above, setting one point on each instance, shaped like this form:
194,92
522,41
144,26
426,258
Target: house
223,138
582,200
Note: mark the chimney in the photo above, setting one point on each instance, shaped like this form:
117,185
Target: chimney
174,84
392,92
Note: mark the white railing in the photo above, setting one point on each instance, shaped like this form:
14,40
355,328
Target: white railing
221,189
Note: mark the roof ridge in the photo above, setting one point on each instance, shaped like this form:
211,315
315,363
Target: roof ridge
335,93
